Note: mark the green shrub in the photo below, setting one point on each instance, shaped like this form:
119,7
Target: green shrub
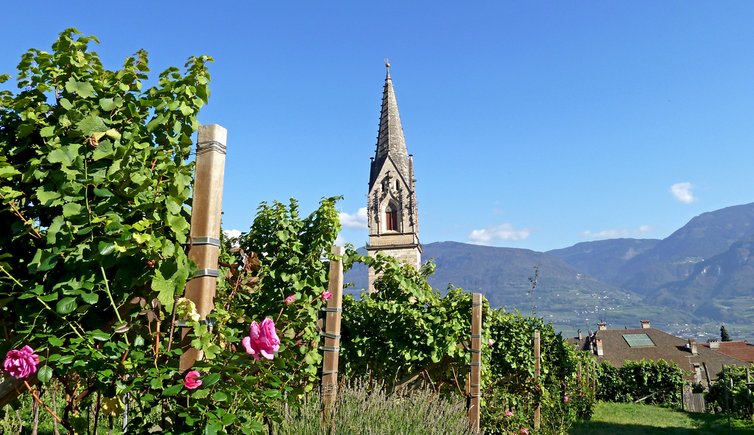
730,393
564,390
406,332
654,382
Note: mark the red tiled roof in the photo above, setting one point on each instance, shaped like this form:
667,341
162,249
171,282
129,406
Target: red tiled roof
736,349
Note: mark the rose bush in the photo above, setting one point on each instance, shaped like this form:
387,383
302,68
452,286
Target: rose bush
95,185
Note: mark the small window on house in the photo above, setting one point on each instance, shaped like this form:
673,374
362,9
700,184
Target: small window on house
638,340
391,219
397,185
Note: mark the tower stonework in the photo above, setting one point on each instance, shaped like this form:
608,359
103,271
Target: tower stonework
391,205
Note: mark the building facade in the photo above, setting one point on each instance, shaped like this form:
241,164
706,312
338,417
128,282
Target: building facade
617,346
391,205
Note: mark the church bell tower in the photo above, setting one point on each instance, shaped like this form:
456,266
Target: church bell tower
391,206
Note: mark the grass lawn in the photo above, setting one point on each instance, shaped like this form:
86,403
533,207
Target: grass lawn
629,418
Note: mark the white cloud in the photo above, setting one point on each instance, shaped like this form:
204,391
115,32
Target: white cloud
498,232
355,220
616,233
231,234
682,192
340,240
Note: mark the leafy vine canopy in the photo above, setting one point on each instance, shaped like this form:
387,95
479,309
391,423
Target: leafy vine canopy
95,185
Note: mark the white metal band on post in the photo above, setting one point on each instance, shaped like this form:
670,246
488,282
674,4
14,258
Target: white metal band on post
332,309
206,272
196,241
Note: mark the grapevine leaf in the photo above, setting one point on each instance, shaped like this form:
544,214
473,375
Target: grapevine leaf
83,89
91,124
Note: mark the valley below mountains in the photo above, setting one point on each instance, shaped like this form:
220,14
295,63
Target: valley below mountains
688,284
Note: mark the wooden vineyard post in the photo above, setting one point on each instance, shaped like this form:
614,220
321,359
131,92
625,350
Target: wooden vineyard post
537,372
476,361
206,210
748,389
331,347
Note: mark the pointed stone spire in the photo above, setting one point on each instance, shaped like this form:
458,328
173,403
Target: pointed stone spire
390,140
392,212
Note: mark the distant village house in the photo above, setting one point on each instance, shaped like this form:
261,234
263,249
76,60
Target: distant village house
701,361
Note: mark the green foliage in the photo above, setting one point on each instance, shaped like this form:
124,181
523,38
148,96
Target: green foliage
564,389
657,382
95,188
730,393
281,255
406,331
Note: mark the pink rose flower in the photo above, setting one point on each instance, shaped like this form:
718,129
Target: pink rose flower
21,363
490,342
508,413
523,431
326,295
262,340
290,299
191,381
566,399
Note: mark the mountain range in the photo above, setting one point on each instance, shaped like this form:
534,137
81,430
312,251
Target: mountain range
689,283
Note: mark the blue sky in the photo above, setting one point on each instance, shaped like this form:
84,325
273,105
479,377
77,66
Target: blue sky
533,124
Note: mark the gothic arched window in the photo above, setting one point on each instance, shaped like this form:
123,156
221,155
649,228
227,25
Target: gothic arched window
391,218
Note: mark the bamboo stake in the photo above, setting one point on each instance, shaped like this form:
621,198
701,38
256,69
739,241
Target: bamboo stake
206,211
476,361
537,372
331,348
